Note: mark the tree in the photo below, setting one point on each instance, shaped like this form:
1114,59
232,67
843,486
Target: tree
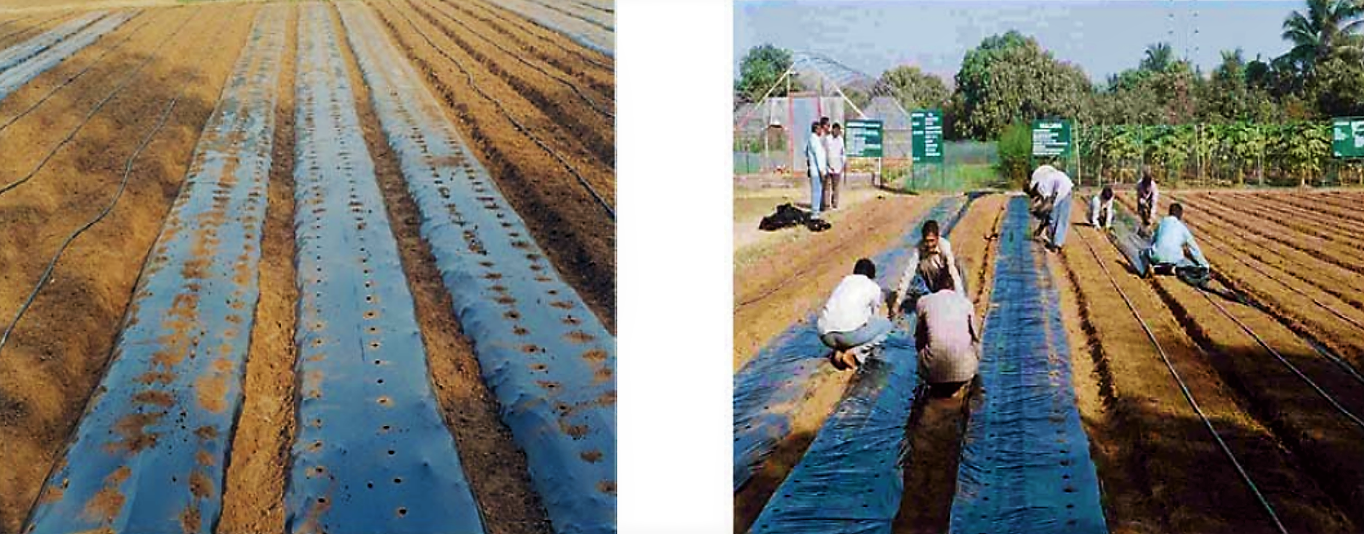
1009,78
914,88
1328,24
1226,95
1339,87
1159,57
760,69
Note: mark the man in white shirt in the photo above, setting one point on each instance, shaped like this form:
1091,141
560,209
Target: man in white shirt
817,164
1040,207
947,338
851,321
1101,209
1056,187
933,261
838,164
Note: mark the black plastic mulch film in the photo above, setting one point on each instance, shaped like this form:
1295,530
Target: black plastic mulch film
542,352
768,389
1025,466
372,452
150,453
850,479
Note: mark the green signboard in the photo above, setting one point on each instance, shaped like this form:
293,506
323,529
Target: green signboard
1347,137
1051,137
864,138
925,135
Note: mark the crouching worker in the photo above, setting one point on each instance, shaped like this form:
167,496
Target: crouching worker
852,322
1173,251
1101,209
932,261
948,341
1040,206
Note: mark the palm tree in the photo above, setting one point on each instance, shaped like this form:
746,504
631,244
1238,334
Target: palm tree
1158,57
1328,25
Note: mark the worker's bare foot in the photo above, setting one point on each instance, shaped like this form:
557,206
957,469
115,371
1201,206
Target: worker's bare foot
850,359
839,360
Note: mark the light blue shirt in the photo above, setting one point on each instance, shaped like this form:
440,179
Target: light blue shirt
816,158
1170,239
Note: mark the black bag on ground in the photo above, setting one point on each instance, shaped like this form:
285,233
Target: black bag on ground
786,216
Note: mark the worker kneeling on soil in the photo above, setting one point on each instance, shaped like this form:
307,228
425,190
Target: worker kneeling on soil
1101,209
851,321
934,262
948,341
1173,250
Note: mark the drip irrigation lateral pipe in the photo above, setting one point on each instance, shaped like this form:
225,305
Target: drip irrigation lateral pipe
73,77
1283,360
520,127
123,185
123,84
1320,350
591,103
1184,388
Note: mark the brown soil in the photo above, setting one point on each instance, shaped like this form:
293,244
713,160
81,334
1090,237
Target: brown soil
60,348
1273,236
936,426
566,221
783,282
494,465
540,83
1285,212
1126,491
558,48
1325,442
1328,205
257,470
1329,314
1149,439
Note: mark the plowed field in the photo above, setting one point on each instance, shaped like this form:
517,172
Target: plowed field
1231,409
165,165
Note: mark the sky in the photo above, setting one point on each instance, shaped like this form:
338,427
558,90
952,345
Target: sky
1103,38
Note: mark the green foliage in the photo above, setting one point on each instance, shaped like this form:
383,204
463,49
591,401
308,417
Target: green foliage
759,69
1328,25
1235,152
914,88
1339,87
1015,149
1009,78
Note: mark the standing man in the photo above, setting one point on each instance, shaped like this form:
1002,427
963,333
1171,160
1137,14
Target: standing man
1101,209
1147,194
837,166
851,321
1056,187
817,163
948,341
